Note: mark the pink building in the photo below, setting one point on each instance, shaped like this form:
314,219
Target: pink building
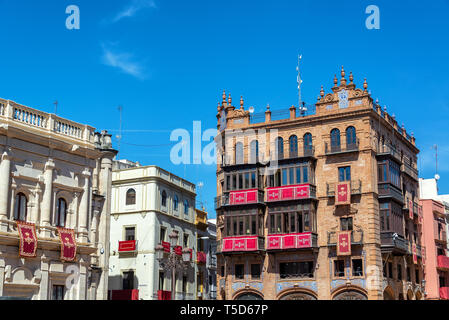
436,269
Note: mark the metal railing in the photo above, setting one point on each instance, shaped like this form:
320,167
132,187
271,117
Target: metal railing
356,237
410,171
387,190
393,241
356,188
341,147
224,200
389,150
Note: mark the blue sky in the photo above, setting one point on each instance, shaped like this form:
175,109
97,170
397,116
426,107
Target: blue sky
167,63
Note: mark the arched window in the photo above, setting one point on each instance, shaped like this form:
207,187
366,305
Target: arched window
279,148
335,140
175,203
308,144
293,143
351,138
186,207
20,207
130,196
239,153
61,212
254,151
164,199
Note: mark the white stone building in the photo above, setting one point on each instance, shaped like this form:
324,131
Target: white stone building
53,173
147,204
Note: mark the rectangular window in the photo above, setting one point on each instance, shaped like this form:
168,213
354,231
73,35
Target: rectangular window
303,269
305,174
291,178
255,271
162,234
346,224
253,180
390,270
298,175
344,174
306,222
284,177
292,222
161,280
130,233
417,276
357,268
58,292
339,268
300,222
399,272
247,180
186,240
128,280
272,225
239,271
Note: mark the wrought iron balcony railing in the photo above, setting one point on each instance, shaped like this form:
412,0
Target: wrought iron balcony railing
387,190
356,188
341,148
356,237
410,171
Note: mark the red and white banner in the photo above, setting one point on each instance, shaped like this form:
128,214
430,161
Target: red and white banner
28,239
127,246
68,244
178,250
243,197
249,243
166,246
415,256
289,241
344,243
420,215
410,209
343,193
288,193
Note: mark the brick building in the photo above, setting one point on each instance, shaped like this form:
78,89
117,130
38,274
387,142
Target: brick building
294,187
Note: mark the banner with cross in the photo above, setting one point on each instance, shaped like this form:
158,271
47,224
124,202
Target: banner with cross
28,239
344,243
343,193
68,244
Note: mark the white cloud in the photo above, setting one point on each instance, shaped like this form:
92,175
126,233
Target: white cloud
133,8
124,62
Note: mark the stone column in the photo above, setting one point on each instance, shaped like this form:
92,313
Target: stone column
36,203
2,275
46,199
82,281
44,284
5,173
83,213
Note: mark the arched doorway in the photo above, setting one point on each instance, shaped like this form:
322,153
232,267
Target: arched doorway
350,295
248,296
298,296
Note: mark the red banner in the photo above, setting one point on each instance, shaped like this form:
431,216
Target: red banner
410,209
420,216
415,256
343,193
344,243
127,246
166,246
289,241
249,243
68,244
163,295
243,197
28,239
288,193
178,250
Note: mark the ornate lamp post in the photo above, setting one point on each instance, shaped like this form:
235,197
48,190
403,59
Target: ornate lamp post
174,261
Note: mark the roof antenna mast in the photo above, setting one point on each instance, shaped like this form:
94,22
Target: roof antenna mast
301,105
119,136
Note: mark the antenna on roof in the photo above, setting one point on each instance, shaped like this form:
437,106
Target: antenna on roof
301,104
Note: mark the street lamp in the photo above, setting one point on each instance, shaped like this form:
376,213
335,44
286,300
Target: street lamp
174,261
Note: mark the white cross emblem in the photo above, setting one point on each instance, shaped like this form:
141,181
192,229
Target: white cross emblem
274,241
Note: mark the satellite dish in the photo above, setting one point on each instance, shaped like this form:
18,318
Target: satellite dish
437,176
251,109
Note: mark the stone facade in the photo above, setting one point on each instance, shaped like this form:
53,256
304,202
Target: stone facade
46,159
147,214
368,138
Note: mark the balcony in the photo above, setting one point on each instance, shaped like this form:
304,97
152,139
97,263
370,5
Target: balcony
304,240
341,148
132,294
201,219
410,171
441,237
201,257
388,191
386,151
241,244
240,197
356,238
392,242
443,263
406,208
356,188
287,193
128,246
444,293
308,152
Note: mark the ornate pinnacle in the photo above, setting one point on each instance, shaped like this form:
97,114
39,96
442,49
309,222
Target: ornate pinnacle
351,77
322,92
241,102
229,99
365,85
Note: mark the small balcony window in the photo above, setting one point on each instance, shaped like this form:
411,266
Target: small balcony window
239,271
357,267
20,207
339,268
255,271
